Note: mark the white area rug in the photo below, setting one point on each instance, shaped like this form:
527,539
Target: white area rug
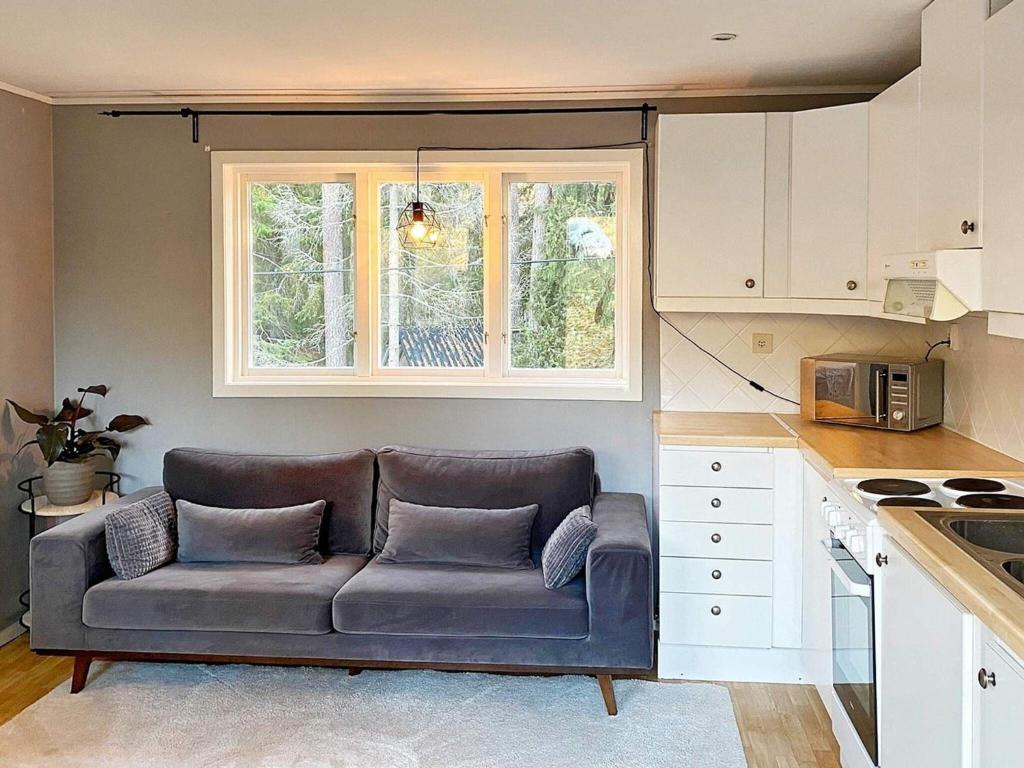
180,715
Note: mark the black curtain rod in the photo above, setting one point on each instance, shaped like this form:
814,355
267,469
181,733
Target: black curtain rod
194,114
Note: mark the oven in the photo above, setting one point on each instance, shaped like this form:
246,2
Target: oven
853,643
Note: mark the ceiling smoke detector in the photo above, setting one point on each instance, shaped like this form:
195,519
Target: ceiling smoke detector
724,37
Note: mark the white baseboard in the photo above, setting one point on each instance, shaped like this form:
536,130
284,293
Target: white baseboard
9,633
744,665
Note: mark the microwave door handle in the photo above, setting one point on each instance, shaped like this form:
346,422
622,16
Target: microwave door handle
851,587
878,396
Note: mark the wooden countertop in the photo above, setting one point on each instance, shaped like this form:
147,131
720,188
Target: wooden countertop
998,606
758,430
839,451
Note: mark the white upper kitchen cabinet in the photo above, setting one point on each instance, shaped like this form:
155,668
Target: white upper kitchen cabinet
894,133
829,203
1003,270
952,38
925,661
711,183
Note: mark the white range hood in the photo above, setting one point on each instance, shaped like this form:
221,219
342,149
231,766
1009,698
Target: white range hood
935,285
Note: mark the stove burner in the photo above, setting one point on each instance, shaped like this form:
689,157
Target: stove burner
892,486
907,501
991,501
973,485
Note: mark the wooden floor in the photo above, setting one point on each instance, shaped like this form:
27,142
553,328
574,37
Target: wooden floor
782,726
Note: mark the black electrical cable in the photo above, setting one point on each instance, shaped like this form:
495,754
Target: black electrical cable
933,347
649,232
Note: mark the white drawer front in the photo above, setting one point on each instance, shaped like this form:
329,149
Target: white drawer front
729,620
726,505
716,540
716,577
716,468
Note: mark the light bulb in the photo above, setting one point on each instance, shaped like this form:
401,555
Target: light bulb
418,230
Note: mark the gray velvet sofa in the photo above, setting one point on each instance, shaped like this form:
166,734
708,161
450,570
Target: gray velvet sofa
353,611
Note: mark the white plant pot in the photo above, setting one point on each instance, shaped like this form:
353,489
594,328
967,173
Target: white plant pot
67,483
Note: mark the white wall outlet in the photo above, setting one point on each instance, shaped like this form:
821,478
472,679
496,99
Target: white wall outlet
762,343
955,340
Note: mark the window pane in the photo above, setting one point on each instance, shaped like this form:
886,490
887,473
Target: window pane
562,275
301,246
432,297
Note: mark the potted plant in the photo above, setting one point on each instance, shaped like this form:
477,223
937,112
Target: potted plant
67,448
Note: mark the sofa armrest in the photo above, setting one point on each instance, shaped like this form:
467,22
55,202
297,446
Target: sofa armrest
620,581
64,561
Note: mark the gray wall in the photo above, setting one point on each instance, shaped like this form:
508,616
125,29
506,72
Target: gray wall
26,318
133,256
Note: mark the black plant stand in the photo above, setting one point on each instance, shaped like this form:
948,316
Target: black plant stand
37,506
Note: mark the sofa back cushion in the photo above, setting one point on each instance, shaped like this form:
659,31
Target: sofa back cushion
556,481
345,481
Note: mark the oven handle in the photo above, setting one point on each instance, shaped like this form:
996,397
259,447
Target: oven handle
858,590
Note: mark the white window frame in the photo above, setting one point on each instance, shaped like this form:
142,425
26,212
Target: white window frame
231,172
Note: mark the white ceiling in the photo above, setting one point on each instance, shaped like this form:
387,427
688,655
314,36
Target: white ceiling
103,48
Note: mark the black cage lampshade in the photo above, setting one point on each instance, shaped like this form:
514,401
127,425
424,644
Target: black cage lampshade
418,225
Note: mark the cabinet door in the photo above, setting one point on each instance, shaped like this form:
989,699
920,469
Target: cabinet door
951,100
1004,160
711,205
829,203
892,177
923,646
1001,718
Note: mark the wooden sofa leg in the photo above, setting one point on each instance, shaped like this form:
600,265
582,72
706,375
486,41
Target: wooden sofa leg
608,692
353,671
80,673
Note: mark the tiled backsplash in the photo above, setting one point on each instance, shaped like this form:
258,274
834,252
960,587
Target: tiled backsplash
984,379
691,381
985,387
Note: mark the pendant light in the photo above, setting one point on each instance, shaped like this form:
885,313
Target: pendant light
418,225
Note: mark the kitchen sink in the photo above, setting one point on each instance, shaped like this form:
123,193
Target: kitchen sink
995,541
997,535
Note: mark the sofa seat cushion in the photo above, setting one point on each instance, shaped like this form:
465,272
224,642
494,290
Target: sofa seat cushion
459,601
223,597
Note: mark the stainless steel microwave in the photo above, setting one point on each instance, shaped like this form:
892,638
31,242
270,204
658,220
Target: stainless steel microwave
870,391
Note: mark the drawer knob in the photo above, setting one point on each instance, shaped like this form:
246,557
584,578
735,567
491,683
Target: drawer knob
716,537
716,503
715,610
851,285
716,574
750,282
986,678
966,226
716,467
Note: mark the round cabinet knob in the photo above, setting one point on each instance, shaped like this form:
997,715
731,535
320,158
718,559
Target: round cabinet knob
715,610
716,467
898,415
966,226
750,283
716,503
881,559
716,574
851,285
985,678
716,537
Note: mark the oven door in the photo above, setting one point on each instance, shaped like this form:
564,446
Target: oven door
853,644
854,393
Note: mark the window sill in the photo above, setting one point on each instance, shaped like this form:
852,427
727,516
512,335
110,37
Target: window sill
506,389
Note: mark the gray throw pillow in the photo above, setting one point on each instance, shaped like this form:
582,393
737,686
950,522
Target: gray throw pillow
141,536
275,535
459,535
566,551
